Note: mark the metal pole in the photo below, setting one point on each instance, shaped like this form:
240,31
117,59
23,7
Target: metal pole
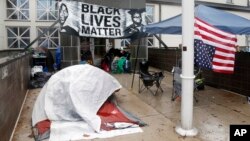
186,128
160,20
138,47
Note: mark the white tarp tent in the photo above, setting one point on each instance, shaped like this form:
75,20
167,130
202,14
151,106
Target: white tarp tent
71,99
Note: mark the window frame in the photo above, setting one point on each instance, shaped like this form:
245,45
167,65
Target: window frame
150,39
18,37
48,36
153,12
18,10
47,11
125,42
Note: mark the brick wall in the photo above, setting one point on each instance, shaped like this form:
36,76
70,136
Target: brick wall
238,82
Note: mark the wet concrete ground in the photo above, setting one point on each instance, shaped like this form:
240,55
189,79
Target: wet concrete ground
215,110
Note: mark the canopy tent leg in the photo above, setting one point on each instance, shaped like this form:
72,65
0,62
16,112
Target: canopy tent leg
138,47
160,40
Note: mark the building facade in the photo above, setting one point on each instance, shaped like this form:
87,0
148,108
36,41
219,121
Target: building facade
24,20
21,21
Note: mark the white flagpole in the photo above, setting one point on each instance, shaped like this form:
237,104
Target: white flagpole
186,128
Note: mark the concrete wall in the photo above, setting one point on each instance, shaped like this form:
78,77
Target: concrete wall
9,52
14,79
238,82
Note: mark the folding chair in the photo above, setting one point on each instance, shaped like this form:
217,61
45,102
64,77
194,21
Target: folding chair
149,79
176,71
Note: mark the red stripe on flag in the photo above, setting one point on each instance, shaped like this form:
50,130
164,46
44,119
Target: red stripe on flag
223,71
214,27
213,40
223,64
224,58
214,33
225,51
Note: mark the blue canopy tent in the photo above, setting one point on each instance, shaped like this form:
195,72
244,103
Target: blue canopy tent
222,20
225,21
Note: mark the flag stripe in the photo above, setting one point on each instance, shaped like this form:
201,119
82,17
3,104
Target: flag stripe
223,68
214,47
200,32
214,44
223,57
212,39
227,51
224,61
222,64
224,54
210,27
213,33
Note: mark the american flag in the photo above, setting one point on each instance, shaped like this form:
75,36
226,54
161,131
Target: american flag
214,48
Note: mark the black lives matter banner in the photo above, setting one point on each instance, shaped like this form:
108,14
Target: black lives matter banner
90,20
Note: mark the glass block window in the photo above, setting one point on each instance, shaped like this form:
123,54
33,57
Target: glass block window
50,39
17,9
125,43
248,40
149,14
247,47
18,37
150,19
47,10
150,41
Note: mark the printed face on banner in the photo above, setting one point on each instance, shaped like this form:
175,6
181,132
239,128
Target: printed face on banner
99,21
136,19
63,15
